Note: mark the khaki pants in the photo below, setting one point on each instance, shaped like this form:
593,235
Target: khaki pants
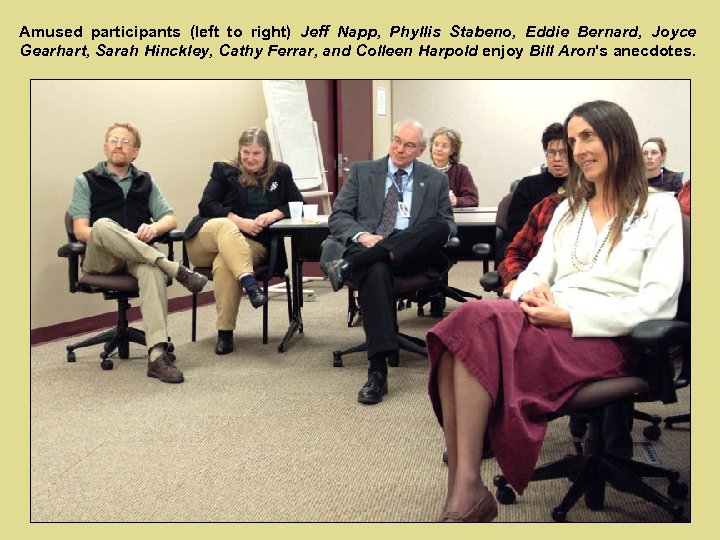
111,249
220,245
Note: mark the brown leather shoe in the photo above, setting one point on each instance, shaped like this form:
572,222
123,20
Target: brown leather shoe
192,281
163,368
484,511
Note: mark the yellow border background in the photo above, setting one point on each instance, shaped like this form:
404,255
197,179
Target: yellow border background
15,506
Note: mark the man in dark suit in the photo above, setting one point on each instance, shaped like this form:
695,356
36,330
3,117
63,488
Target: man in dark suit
391,218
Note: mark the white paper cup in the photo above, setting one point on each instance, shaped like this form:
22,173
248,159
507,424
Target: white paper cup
296,209
310,213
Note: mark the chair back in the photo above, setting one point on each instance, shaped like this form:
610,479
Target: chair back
69,227
501,237
502,212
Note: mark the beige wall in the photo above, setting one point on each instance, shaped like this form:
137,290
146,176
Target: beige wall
185,126
382,124
501,121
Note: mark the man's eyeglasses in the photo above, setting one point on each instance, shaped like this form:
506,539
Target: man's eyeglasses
553,153
114,141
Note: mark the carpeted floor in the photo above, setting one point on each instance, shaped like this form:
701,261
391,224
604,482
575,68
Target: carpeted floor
257,436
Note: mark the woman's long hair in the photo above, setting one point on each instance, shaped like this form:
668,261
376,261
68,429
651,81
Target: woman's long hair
626,188
261,178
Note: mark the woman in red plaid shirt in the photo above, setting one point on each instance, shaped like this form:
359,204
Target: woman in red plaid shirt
527,241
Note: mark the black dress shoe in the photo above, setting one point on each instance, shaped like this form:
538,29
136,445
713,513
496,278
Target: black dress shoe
374,389
257,297
224,344
338,272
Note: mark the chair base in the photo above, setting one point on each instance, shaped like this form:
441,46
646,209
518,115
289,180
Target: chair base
670,421
118,338
405,342
591,471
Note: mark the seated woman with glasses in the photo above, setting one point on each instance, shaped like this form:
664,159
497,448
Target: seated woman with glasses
445,145
654,154
533,189
243,197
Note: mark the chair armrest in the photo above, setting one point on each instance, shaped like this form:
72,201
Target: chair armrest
490,281
452,248
72,252
169,239
661,333
71,249
176,235
482,251
655,338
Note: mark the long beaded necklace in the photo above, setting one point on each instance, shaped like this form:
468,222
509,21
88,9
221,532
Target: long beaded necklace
584,266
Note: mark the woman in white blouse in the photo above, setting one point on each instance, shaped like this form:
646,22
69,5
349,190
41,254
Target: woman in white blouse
611,258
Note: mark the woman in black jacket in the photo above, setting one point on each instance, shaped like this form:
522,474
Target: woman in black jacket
242,199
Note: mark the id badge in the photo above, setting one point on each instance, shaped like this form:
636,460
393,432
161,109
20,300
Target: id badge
403,210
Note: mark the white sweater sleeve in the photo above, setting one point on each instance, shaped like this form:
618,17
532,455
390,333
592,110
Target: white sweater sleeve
542,268
613,312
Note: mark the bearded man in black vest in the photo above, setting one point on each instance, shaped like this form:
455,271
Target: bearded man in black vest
118,210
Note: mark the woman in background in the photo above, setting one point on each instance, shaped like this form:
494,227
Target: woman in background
445,145
654,154
243,197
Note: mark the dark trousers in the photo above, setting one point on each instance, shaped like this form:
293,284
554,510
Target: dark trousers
415,250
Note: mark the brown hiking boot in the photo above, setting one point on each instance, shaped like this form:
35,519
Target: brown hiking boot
192,281
163,368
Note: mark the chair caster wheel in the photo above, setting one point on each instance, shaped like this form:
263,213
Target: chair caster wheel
559,516
651,433
678,490
70,356
170,346
505,495
445,457
337,359
420,311
578,427
106,363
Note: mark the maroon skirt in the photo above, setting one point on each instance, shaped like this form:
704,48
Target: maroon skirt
527,370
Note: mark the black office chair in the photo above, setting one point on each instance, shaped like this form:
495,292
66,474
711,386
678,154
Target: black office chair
120,287
274,267
683,378
418,288
591,470
434,294
490,280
